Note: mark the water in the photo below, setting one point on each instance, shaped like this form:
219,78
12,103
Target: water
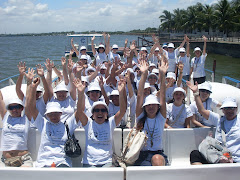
35,49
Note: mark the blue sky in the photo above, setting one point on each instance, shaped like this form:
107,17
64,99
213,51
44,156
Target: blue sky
37,16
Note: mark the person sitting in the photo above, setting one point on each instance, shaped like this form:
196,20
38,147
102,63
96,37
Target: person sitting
229,123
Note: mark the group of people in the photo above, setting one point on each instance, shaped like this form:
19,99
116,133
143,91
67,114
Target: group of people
144,91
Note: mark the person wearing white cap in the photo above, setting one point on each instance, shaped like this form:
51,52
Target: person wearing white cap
53,131
172,56
151,117
229,123
205,89
15,130
157,54
151,67
82,51
99,128
41,99
101,53
179,115
198,63
152,78
113,53
184,58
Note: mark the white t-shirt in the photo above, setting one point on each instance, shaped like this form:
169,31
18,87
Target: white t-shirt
100,58
172,58
154,129
232,135
186,62
53,138
14,133
173,111
67,107
169,92
210,104
198,65
89,59
41,106
113,110
111,56
99,142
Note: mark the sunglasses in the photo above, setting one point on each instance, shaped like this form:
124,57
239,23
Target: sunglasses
115,48
152,77
15,107
101,48
98,110
229,108
95,91
204,90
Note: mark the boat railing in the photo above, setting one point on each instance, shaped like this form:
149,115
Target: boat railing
226,79
212,75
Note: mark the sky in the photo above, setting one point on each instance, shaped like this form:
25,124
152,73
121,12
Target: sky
42,16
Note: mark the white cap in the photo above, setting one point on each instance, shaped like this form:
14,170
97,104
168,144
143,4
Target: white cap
164,45
143,49
157,49
83,48
61,87
179,89
170,45
229,102
103,66
85,79
197,49
53,107
171,75
135,67
90,68
94,87
151,99
206,85
101,45
155,70
147,85
152,64
99,103
115,46
130,69
14,101
114,93
83,57
152,74
182,50
39,88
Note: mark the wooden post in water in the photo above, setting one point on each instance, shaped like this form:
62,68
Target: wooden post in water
214,69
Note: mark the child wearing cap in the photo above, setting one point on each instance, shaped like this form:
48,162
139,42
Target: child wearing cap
151,117
198,63
53,131
179,115
99,128
82,51
205,89
229,123
14,136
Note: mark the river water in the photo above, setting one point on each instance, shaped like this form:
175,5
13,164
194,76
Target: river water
35,49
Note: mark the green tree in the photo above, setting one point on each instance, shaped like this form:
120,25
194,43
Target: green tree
166,20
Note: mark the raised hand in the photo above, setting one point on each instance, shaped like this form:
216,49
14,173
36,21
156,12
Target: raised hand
204,38
36,82
155,38
163,67
30,74
143,66
40,70
70,65
100,81
186,38
126,41
121,85
193,87
180,66
49,64
79,85
63,60
93,38
21,67
133,46
127,52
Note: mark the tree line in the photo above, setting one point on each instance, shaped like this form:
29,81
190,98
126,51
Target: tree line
223,16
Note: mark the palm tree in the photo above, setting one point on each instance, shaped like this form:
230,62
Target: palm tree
209,19
236,15
166,20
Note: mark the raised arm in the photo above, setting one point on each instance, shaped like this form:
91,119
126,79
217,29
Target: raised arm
107,43
205,113
180,68
140,95
64,69
3,109
49,66
188,45
204,45
71,77
163,70
22,69
122,101
93,47
74,48
101,84
80,114
183,42
129,84
40,72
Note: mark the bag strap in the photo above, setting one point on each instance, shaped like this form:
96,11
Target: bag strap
223,131
67,128
180,112
128,142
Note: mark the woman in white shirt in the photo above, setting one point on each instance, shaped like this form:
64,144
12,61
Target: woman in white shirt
151,117
99,128
179,115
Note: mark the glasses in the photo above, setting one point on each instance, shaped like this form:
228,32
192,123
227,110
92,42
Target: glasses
152,77
229,108
101,48
204,90
115,48
98,110
95,91
15,107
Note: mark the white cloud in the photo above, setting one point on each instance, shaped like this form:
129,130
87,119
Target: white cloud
107,11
